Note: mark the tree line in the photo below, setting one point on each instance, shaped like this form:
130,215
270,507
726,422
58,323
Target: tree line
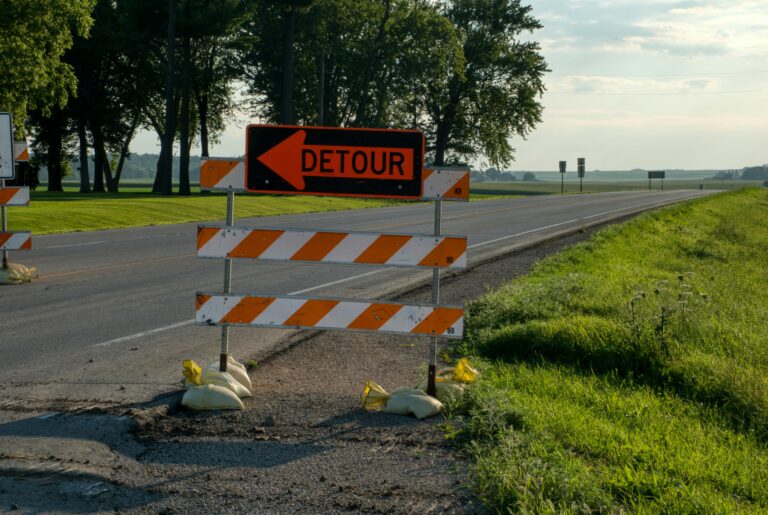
86,75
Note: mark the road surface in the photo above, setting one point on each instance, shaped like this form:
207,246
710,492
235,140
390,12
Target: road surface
110,318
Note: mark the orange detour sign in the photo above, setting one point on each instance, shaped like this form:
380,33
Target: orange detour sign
332,247
338,162
328,313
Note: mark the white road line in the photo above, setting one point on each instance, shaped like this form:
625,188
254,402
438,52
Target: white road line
76,245
373,272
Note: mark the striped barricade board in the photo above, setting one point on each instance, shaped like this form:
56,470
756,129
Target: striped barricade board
446,184
20,151
292,312
222,174
332,247
19,240
14,196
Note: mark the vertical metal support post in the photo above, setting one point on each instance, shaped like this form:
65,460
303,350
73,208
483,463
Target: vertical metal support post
227,285
562,183
431,388
662,184
4,216
581,184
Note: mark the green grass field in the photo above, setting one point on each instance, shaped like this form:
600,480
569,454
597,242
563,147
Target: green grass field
572,187
630,372
71,211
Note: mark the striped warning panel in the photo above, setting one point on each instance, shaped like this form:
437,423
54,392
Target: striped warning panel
222,174
20,151
14,196
332,247
15,240
446,184
328,313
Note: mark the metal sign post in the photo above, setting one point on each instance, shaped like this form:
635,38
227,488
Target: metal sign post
581,167
562,177
5,226
431,388
660,174
224,355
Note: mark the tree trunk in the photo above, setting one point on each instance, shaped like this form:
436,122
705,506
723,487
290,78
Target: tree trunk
202,112
286,98
124,150
166,179
85,179
372,62
441,143
55,156
185,91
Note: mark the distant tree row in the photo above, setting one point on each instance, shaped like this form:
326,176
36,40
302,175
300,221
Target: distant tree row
86,75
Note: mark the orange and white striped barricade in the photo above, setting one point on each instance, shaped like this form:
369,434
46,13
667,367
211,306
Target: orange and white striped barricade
20,151
446,184
14,196
15,240
332,247
294,312
219,174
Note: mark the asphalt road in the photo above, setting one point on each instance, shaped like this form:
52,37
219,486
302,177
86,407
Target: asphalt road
110,318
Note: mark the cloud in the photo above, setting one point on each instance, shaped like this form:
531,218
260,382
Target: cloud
628,86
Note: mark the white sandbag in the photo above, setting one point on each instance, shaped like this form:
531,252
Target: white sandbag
237,370
210,396
226,380
446,391
17,274
404,401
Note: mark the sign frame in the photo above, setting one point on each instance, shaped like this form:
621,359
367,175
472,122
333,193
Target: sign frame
7,151
263,178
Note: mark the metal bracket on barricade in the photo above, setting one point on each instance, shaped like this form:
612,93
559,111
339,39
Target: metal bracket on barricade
332,162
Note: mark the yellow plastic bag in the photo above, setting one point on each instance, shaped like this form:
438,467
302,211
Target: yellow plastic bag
464,372
192,372
404,401
374,396
210,396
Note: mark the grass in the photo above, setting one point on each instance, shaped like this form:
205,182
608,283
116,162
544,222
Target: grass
629,373
71,211
589,186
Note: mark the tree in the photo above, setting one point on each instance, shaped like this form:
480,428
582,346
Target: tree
495,95
33,40
529,176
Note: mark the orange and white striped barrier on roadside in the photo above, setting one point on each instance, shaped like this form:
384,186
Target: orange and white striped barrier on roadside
326,313
15,240
14,196
20,151
332,247
222,174
446,184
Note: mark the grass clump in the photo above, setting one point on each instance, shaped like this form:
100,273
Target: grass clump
629,372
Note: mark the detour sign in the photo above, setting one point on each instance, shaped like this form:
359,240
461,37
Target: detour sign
335,162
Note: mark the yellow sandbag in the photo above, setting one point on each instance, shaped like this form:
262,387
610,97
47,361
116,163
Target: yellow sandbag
445,391
210,396
191,373
404,401
374,396
226,380
17,274
237,370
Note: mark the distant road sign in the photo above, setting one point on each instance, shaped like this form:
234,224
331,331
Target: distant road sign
7,168
562,166
581,166
657,175
378,163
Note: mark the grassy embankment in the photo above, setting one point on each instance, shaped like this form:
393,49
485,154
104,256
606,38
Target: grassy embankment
631,371
70,211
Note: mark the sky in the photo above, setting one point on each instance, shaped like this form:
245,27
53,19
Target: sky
654,84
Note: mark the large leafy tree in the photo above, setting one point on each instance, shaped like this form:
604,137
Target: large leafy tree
495,95
33,40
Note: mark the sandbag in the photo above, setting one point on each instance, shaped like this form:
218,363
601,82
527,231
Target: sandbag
209,397
17,274
226,380
445,391
235,368
404,401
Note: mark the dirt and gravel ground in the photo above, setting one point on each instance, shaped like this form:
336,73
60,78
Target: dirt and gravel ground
302,445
